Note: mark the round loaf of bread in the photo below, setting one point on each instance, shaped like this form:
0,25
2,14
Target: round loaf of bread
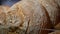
30,17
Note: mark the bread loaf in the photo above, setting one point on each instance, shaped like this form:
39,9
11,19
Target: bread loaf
30,16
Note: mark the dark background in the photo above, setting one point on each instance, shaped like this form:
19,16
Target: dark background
8,2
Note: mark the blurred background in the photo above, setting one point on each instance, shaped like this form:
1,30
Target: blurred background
8,2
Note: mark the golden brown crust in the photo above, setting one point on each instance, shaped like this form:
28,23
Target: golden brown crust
33,16
53,10
57,26
4,8
55,32
3,11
